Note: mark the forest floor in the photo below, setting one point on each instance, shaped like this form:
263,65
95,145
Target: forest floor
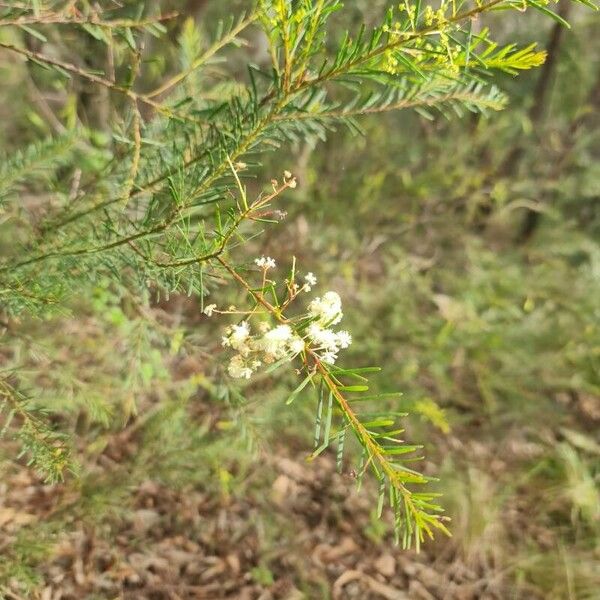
282,528
307,533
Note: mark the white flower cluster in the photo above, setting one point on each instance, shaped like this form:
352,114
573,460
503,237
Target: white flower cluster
310,280
327,311
265,262
209,310
253,350
282,341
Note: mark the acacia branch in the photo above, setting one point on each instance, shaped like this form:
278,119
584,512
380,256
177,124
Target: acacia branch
222,246
379,462
227,39
431,101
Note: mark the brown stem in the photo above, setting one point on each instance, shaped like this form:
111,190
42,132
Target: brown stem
93,78
542,88
537,111
58,19
256,295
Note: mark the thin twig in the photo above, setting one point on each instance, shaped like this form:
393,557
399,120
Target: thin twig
61,19
227,39
137,150
93,78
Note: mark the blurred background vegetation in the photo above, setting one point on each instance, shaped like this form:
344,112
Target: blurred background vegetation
467,252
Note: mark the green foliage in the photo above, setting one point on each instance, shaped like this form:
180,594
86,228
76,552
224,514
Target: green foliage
155,196
45,449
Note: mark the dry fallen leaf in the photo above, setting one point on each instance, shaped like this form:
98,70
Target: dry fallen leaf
386,565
